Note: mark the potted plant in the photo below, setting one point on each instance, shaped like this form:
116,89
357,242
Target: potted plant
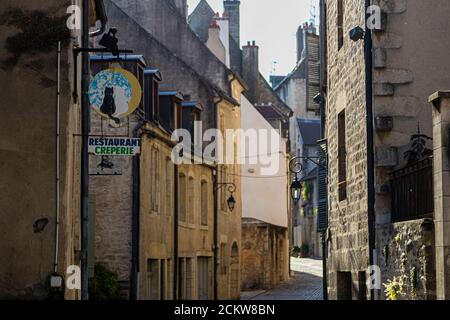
295,251
304,250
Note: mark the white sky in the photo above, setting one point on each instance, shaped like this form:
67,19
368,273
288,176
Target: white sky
273,25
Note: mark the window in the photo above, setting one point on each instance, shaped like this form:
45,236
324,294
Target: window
342,157
168,192
189,279
204,203
153,279
191,200
182,198
155,180
185,279
204,275
340,23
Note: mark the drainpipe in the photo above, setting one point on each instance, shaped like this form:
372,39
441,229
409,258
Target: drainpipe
175,234
135,216
216,209
57,156
370,144
85,115
101,13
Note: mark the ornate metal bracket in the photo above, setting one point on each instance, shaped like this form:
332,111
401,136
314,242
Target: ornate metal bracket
230,186
296,166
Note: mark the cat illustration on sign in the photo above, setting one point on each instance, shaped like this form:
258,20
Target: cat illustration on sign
108,106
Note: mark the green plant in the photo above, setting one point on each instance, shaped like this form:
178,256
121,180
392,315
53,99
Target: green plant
394,288
104,285
304,249
413,281
295,250
306,190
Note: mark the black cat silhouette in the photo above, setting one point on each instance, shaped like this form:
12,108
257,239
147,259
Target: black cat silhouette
109,105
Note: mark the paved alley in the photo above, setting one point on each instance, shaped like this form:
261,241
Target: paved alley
305,283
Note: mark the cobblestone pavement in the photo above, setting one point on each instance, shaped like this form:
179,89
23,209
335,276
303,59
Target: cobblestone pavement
304,284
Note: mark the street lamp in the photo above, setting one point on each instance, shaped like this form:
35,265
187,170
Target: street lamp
296,189
231,202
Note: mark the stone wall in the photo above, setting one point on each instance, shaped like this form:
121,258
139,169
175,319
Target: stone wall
407,69
406,254
348,231
265,261
441,170
28,149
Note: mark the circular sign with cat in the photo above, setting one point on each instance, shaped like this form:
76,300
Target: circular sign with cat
115,93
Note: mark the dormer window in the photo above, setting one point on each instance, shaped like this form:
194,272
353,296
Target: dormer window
191,114
151,98
170,110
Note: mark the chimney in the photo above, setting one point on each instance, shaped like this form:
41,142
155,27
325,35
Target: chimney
300,42
232,11
182,7
250,69
214,42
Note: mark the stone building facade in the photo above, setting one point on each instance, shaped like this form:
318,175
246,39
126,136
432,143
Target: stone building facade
40,226
257,96
203,254
401,84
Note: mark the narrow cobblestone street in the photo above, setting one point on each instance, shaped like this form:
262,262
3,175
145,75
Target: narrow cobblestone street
305,283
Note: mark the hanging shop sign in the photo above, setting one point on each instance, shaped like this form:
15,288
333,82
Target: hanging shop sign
114,146
115,93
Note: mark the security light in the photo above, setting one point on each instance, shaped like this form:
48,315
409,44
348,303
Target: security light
356,34
318,98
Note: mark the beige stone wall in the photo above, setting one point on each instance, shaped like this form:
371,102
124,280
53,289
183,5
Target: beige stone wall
113,203
441,169
157,226
265,259
408,66
229,222
27,152
347,236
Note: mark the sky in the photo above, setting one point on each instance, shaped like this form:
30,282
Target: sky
273,25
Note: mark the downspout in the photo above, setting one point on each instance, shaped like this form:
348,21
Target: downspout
101,13
175,233
370,144
57,156
85,115
323,66
216,208
135,216
85,123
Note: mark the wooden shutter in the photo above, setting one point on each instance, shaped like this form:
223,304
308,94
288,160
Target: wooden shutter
322,217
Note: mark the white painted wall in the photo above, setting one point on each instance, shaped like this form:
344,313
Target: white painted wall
263,197
224,25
